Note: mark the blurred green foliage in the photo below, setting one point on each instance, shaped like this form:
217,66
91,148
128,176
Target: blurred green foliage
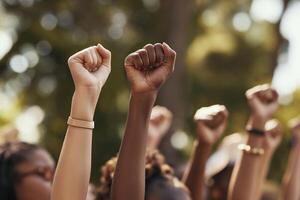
220,62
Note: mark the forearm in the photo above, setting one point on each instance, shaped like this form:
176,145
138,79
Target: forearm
243,183
265,165
195,177
291,180
74,165
129,178
244,178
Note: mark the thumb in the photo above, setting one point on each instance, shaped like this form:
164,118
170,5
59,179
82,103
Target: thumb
170,55
105,55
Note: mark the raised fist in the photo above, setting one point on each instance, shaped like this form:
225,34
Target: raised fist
148,68
273,134
90,67
211,123
263,101
160,123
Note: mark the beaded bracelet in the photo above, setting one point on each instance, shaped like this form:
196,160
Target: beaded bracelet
251,150
81,123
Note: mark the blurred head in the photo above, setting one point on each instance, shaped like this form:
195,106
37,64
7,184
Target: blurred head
219,183
161,184
26,172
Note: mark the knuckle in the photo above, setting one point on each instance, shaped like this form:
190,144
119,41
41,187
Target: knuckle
70,59
108,52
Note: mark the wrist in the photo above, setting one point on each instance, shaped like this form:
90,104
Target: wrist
144,97
142,103
257,122
204,142
84,103
147,94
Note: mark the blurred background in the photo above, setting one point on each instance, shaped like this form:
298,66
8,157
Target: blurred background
223,48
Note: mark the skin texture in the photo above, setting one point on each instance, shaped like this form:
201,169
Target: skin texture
291,180
160,123
146,69
247,176
210,122
34,187
270,143
90,69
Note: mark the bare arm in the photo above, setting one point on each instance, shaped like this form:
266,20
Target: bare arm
90,69
146,72
291,180
271,141
211,123
246,175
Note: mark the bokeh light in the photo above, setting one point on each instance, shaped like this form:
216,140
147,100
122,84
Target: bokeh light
19,63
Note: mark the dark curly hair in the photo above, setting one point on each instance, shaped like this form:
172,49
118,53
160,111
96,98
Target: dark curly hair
11,155
156,168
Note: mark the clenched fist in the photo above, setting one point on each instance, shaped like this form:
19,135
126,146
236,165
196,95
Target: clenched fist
263,101
148,68
159,124
211,123
90,67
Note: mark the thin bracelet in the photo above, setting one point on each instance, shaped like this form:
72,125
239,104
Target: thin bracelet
256,131
81,123
251,150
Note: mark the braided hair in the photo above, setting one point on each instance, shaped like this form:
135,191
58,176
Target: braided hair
156,168
11,155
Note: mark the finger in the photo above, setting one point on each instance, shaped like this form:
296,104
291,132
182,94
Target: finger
105,55
137,61
93,52
253,91
159,54
98,58
151,53
87,60
144,56
170,55
218,119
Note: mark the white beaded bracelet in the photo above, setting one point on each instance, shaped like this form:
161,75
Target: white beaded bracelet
251,150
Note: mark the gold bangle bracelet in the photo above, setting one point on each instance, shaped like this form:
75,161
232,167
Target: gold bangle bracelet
81,123
251,150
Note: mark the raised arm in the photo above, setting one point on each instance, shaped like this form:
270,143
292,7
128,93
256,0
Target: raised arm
291,180
147,69
90,69
211,122
263,103
271,141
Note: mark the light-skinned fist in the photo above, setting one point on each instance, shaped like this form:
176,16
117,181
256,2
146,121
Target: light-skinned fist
90,67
